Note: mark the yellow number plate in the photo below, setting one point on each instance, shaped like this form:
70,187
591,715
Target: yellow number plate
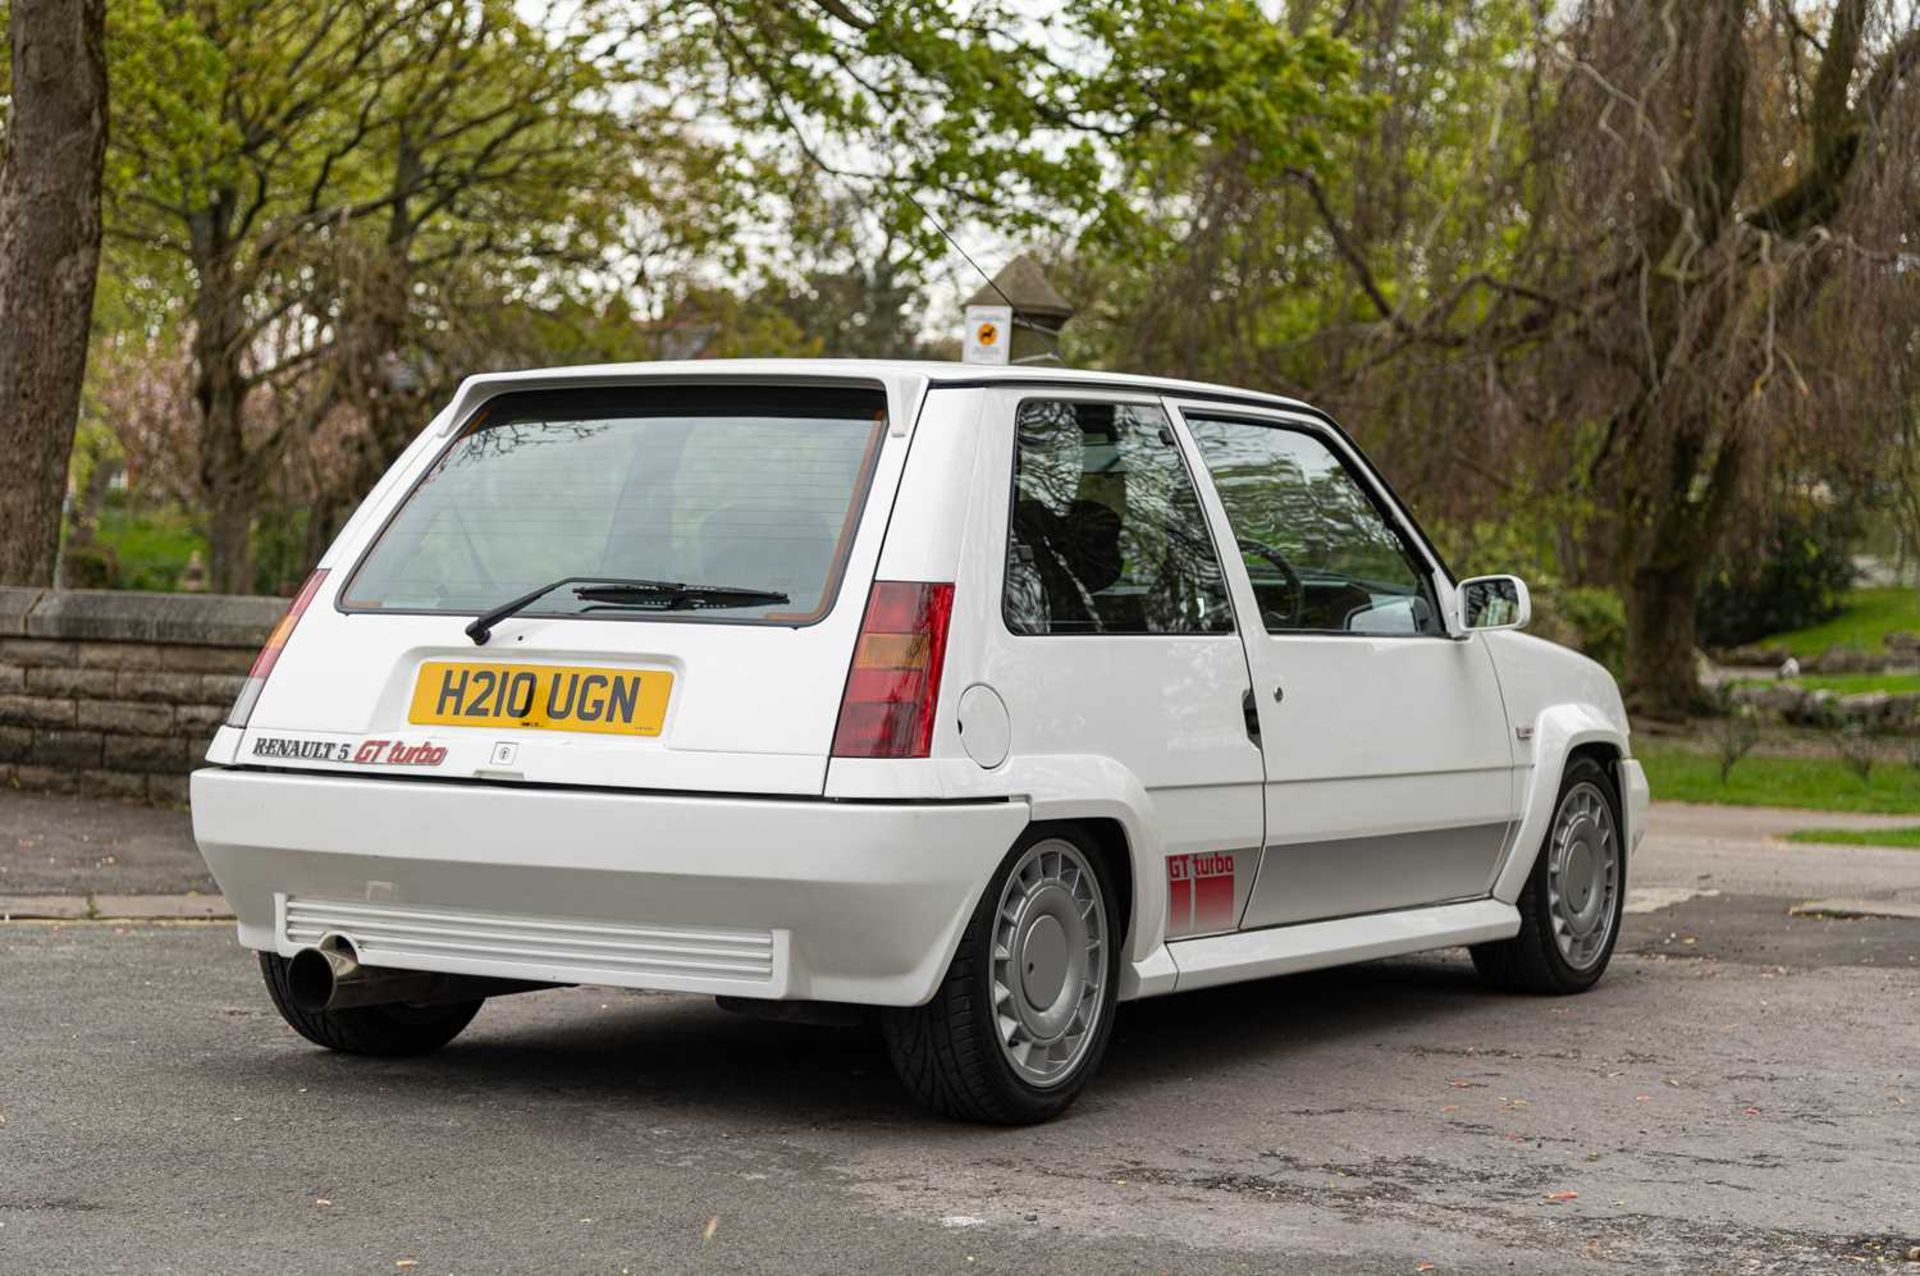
456,693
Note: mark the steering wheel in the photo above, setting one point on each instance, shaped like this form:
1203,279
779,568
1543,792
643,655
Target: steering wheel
1290,619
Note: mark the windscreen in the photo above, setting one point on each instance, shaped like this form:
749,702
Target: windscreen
757,491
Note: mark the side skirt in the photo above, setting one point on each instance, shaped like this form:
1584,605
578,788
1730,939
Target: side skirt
1285,950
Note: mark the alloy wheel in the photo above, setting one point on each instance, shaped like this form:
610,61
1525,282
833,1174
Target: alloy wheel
1049,965
1583,875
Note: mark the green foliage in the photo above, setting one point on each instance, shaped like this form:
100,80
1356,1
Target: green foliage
280,552
151,547
1590,619
1029,124
1795,577
1677,773
1241,263
1540,542
88,567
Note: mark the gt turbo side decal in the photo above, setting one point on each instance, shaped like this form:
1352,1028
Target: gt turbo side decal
1200,893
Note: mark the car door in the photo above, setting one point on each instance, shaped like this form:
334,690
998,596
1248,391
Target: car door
1388,757
1115,639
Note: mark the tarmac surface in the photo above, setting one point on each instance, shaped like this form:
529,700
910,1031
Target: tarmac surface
1740,1094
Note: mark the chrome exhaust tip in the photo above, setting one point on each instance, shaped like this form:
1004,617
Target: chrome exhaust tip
329,976
314,975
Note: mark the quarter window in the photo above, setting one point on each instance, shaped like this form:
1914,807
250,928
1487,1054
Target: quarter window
1321,554
1107,535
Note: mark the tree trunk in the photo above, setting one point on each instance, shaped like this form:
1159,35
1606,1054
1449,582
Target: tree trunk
230,545
1660,681
49,254
229,475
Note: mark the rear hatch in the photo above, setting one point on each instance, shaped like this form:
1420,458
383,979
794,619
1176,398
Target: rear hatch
706,552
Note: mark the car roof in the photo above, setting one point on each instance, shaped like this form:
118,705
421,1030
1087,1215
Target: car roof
904,379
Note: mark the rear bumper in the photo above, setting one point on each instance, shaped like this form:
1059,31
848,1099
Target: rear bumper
830,901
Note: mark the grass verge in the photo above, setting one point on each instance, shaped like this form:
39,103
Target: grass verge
1870,614
1848,684
1906,838
1845,684
1677,773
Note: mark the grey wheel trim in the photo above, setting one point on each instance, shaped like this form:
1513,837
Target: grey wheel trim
1049,967
1583,875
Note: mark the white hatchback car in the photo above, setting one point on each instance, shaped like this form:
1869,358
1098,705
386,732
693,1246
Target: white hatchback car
982,699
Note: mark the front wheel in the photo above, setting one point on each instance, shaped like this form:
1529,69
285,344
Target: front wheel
385,1031
1570,907
1023,1016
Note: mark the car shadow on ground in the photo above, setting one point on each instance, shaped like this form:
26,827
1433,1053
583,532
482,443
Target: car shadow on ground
684,1053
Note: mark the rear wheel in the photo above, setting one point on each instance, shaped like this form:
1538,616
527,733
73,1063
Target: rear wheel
385,1031
1023,1016
1570,907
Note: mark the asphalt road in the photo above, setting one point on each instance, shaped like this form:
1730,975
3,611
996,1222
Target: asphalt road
1742,1093
59,844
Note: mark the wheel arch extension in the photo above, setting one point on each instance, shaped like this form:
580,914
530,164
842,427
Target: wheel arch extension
1108,802
1561,734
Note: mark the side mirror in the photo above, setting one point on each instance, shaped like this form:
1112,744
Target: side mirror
1494,602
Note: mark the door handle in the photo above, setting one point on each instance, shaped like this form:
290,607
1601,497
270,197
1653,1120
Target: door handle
1252,712
1279,693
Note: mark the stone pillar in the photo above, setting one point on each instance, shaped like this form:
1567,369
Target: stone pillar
1039,312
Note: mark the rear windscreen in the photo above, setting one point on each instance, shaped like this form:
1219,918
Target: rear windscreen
718,488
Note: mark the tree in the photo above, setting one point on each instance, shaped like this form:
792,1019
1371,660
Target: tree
1650,261
49,251
1311,279
315,178
932,114
1750,204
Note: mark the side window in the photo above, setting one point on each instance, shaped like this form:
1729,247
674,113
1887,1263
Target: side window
1106,533
1321,555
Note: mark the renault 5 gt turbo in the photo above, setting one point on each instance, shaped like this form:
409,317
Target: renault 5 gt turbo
971,701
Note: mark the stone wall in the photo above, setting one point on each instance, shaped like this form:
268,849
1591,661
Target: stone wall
117,693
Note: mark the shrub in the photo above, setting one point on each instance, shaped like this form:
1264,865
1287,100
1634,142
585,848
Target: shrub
1587,618
88,567
1793,577
1857,749
1735,729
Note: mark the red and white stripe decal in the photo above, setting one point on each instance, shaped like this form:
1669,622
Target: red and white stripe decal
1200,893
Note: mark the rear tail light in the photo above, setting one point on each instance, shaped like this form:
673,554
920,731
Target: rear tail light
894,684
270,654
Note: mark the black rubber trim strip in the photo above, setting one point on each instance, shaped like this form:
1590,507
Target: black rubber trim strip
616,790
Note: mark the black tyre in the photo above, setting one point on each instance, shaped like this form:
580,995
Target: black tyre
384,1031
1023,1017
1570,907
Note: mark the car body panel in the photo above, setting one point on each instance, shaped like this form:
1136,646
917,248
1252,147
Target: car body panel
1563,702
866,901
1388,768
735,818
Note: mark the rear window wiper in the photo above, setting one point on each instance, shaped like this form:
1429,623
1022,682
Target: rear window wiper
670,595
